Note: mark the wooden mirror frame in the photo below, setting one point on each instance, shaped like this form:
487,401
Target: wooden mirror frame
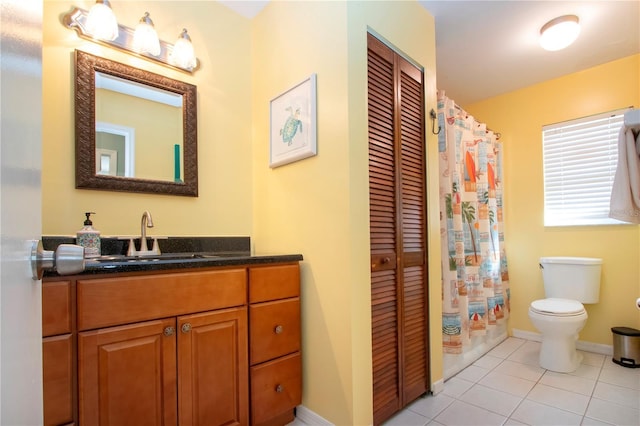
86,67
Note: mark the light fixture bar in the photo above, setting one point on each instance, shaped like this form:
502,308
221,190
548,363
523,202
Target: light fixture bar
76,19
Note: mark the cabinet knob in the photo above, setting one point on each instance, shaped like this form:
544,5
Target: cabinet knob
186,327
279,388
385,260
278,329
169,331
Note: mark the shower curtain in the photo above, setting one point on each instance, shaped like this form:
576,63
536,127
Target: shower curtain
475,281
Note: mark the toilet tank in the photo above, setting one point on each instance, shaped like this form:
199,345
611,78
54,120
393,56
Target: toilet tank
576,278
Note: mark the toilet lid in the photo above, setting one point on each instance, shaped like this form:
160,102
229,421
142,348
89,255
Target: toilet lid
557,307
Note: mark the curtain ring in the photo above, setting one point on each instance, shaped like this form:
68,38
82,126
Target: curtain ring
433,115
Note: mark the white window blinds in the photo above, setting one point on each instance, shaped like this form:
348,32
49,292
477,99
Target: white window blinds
580,158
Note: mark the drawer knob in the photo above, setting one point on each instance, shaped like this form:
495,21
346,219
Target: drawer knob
186,327
279,388
278,329
168,331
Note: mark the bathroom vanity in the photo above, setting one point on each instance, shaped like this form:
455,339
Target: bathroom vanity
181,341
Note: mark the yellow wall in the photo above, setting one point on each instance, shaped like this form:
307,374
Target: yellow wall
221,38
319,206
519,116
157,130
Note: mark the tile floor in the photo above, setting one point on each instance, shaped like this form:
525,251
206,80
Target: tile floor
508,387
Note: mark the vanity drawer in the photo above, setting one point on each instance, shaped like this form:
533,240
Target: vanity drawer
274,282
105,302
276,387
274,329
56,308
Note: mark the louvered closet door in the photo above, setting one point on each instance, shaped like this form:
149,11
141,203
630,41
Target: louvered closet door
398,230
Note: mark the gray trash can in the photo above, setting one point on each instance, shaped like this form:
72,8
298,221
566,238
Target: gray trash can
626,346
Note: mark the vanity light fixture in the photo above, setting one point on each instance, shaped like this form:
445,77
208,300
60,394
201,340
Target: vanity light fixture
560,32
125,40
183,55
145,38
101,22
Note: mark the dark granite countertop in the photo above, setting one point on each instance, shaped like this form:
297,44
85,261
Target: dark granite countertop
178,253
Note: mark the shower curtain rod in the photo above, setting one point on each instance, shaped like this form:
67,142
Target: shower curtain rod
498,134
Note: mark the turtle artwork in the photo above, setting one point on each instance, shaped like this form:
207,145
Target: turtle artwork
291,126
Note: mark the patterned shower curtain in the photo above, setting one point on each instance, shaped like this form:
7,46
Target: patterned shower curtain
475,281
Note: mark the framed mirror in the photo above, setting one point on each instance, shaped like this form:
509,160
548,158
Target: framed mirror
135,131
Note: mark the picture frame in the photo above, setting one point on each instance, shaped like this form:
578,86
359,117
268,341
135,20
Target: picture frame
293,118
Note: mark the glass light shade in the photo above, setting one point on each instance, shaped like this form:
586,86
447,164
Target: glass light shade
145,37
559,32
183,54
101,22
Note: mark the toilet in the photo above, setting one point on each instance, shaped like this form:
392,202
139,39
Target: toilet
568,283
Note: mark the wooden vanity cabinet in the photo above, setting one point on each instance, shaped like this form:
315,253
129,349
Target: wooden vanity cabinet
179,357
274,342
203,347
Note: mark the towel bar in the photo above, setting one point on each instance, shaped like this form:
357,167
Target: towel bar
632,118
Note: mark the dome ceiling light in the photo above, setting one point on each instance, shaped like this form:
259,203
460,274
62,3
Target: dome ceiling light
559,32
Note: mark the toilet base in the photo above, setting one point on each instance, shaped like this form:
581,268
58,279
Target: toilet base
559,354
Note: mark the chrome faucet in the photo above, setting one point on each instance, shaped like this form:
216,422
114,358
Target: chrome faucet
145,222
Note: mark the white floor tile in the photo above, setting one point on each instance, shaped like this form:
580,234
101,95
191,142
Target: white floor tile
507,347
621,376
524,371
455,387
587,372
596,360
431,406
490,399
568,382
617,394
588,421
461,414
512,422
505,383
488,362
558,398
472,373
613,413
407,418
534,413
528,353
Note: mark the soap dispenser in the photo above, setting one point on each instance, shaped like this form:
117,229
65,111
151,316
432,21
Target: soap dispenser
89,238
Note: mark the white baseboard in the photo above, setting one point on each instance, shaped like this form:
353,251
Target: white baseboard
311,418
582,345
437,387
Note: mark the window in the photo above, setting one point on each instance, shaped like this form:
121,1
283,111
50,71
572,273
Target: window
580,158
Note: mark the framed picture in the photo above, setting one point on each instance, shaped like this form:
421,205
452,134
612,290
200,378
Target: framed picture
293,124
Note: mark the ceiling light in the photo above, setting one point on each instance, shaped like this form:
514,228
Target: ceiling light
559,32
183,54
145,38
101,22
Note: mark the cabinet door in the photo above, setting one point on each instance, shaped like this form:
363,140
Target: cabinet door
57,372
213,368
127,375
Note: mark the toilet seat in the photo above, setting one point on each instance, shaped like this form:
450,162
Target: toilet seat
557,307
